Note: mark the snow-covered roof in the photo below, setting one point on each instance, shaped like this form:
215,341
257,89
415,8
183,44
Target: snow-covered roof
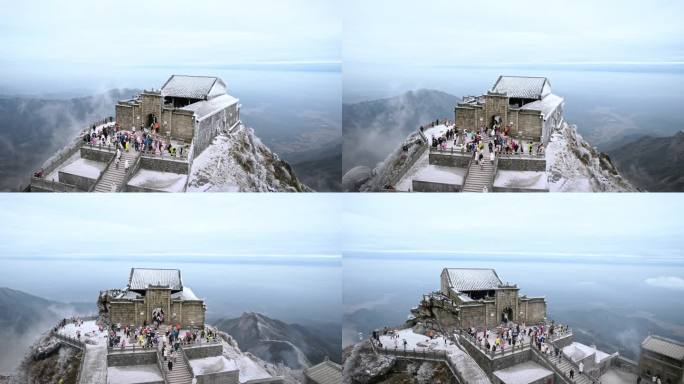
578,351
527,372
546,105
473,279
522,86
206,108
664,346
326,372
193,87
141,278
185,294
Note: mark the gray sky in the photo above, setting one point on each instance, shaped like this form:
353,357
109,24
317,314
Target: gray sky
627,227
204,225
65,39
441,32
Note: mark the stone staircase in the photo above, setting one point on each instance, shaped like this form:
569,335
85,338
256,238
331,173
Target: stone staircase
115,175
480,176
565,366
180,373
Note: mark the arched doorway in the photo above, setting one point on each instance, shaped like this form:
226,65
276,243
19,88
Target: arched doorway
158,315
507,315
151,119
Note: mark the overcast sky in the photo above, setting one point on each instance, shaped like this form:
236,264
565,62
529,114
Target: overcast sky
205,225
442,32
62,39
566,226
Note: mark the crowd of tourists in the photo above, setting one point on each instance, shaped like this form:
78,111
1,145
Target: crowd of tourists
472,141
144,140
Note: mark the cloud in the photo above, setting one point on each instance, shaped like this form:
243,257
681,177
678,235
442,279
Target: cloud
667,282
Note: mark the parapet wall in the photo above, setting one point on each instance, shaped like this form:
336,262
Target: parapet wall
522,164
202,351
227,377
81,182
140,357
96,154
164,164
447,159
431,186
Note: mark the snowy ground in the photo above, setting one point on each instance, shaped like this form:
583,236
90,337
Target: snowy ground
78,166
134,374
524,373
465,364
617,376
578,351
161,181
249,369
90,332
573,165
441,174
212,364
521,179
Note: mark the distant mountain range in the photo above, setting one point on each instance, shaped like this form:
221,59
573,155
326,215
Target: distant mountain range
275,341
372,129
654,164
24,317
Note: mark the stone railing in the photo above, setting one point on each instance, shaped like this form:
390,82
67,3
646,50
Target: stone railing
187,362
498,352
490,185
99,178
74,342
161,366
129,173
51,185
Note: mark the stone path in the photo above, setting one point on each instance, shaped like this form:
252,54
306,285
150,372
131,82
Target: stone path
94,369
115,175
480,176
180,373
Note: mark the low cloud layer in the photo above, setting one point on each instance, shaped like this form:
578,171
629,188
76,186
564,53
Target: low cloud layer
667,282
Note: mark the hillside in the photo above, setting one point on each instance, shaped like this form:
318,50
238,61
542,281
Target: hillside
23,317
653,163
272,340
371,129
32,129
240,162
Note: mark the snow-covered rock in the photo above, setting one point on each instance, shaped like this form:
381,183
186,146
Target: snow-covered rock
239,161
572,165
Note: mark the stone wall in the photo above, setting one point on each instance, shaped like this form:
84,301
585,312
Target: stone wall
495,105
123,312
157,298
522,164
507,299
207,130
529,124
96,155
456,159
490,365
193,314
164,164
656,364
124,116
430,186
202,351
228,377
81,182
468,117
122,359
534,310
270,380
151,105
182,124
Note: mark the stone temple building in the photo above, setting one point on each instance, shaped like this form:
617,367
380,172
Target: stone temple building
523,105
149,293
662,357
478,298
192,109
